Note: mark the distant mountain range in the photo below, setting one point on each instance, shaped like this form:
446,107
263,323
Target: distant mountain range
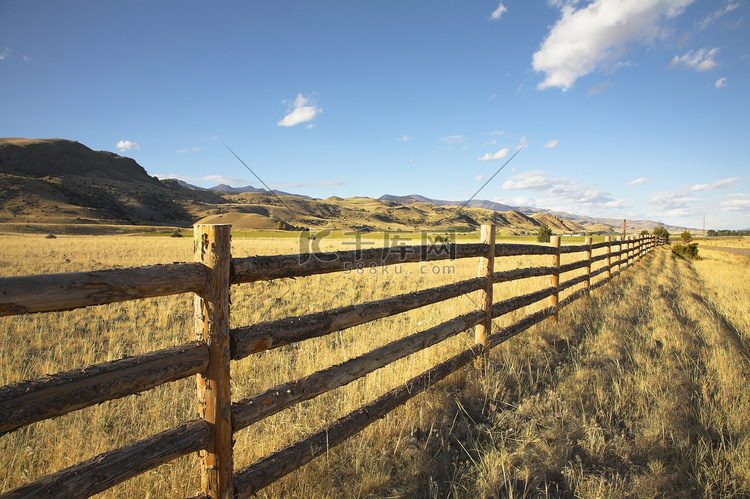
228,189
62,182
474,203
614,225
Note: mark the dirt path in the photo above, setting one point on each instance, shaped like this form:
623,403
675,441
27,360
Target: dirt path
736,251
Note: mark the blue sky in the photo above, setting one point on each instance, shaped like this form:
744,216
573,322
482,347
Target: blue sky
634,109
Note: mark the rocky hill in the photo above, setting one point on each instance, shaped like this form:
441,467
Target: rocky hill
56,181
62,181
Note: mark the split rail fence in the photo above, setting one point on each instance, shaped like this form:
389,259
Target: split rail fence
210,278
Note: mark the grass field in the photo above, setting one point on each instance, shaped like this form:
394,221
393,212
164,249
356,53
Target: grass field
639,390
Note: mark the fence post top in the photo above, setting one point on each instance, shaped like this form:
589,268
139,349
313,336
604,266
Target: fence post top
195,226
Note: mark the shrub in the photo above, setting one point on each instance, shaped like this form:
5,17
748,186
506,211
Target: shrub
543,234
688,251
50,236
662,232
686,237
176,233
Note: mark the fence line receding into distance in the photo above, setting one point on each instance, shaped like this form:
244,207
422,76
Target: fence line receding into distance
210,278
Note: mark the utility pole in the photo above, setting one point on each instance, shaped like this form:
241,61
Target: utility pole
624,231
704,227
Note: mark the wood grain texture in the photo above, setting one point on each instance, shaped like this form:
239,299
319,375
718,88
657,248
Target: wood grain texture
30,401
264,268
267,335
107,470
273,400
213,249
70,290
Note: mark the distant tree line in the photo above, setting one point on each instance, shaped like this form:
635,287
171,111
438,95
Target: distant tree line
282,225
727,233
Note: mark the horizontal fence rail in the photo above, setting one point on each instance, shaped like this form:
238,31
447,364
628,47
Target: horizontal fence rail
67,291
209,279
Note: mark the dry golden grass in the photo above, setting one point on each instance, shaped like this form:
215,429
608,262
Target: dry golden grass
632,393
726,242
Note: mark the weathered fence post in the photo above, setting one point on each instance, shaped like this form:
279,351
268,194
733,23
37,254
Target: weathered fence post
628,249
587,257
555,278
486,270
608,261
212,247
619,254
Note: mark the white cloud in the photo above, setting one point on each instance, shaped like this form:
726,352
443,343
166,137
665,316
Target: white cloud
191,149
720,83
497,13
493,156
673,204
562,193
405,138
726,183
207,180
639,181
4,53
551,144
453,139
301,112
479,178
531,180
598,34
736,205
221,179
598,88
298,185
517,201
712,17
126,145
698,60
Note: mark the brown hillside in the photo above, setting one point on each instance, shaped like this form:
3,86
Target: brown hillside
61,181
58,181
556,223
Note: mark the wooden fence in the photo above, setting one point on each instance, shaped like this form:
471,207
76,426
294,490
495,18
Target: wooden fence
210,278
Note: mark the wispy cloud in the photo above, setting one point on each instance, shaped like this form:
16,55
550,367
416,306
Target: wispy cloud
639,181
720,83
453,139
598,88
551,144
563,193
126,145
242,182
597,35
479,178
497,13
713,16
404,138
188,150
742,205
298,185
493,156
301,111
697,60
4,53
208,179
531,180
726,183
673,204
